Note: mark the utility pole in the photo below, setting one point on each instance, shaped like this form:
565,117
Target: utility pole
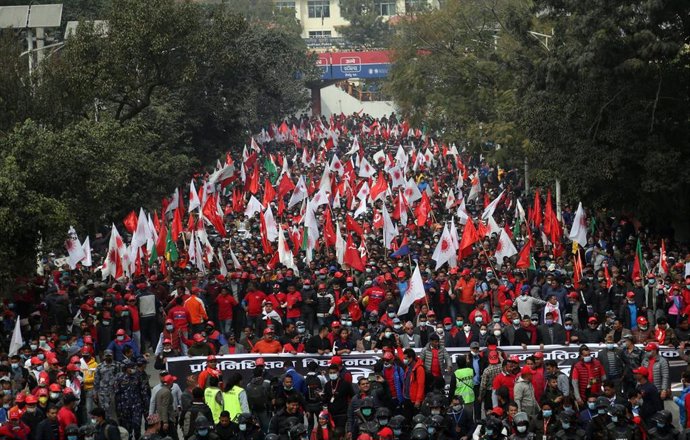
559,215
526,177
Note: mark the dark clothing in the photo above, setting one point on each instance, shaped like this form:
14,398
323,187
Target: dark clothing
337,395
32,420
279,423
551,334
107,431
50,430
316,343
188,417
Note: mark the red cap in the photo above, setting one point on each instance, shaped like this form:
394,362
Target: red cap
642,371
573,295
539,355
72,367
259,362
388,356
514,358
431,313
169,379
31,399
338,275
493,357
53,361
630,294
335,324
651,346
87,340
349,279
62,373
447,321
54,388
637,278
592,320
120,332
526,370
465,272
15,414
198,338
268,331
210,357
641,320
306,283
336,360
21,397
42,392
167,341
498,411
169,321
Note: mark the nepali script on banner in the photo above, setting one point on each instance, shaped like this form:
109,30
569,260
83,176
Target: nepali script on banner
361,364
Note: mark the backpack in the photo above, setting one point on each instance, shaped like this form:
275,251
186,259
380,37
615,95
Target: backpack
257,394
124,435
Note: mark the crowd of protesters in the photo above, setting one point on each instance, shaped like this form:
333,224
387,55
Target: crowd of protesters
81,372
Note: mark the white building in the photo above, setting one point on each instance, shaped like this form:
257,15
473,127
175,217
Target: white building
320,19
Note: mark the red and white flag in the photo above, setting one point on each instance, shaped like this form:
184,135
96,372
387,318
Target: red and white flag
578,232
194,202
74,248
445,248
504,248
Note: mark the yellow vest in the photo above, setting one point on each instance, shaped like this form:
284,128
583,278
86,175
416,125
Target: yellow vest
89,374
214,400
464,384
231,401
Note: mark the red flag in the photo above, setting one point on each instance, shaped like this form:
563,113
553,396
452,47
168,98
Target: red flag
269,193
285,185
607,276
422,210
352,225
469,237
483,230
663,261
264,238
191,223
524,260
156,221
176,226
352,257
130,222
253,182
162,239
378,219
211,213
577,269
329,236
281,206
536,210
274,261
380,186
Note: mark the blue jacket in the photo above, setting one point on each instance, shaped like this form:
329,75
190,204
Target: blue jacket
298,381
680,401
398,381
117,347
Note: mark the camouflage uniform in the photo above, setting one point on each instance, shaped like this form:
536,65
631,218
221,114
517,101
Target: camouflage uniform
104,386
131,399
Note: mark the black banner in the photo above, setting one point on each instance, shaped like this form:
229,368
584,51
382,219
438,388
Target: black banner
362,364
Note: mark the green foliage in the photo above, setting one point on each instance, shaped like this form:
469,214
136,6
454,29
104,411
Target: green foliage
607,106
453,69
108,123
367,28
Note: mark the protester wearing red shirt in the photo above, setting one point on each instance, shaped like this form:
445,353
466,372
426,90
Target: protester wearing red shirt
587,374
253,301
179,315
506,378
372,297
293,300
65,415
225,301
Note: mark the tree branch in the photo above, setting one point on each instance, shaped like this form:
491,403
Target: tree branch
656,101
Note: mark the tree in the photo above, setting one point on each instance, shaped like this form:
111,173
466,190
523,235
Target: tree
367,27
454,71
606,106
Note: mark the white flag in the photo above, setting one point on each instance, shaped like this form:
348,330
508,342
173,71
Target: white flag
475,190
504,248
74,248
412,193
389,231
489,211
174,202
140,234
361,209
397,177
221,262
299,193
578,233
86,247
364,191
415,291
235,261
365,169
194,202
271,225
284,252
337,166
17,340
445,248
253,206
340,245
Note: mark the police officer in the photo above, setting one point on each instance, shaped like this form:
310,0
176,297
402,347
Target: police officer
131,398
622,428
493,429
597,428
569,427
521,424
663,428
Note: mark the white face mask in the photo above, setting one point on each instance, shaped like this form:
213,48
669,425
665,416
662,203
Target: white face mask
521,428
497,333
482,332
332,376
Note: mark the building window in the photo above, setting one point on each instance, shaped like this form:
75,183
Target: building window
319,8
280,5
386,7
319,34
415,5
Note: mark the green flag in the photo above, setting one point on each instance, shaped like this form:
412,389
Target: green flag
154,256
305,238
170,248
271,169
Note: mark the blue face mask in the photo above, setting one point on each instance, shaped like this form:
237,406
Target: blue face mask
202,432
547,413
591,405
72,437
565,425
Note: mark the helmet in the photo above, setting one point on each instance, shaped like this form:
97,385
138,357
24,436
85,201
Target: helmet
87,430
419,434
127,363
71,429
567,416
493,424
663,417
602,402
272,437
383,413
291,421
368,402
245,418
419,419
370,427
436,421
397,422
618,411
297,431
435,401
521,418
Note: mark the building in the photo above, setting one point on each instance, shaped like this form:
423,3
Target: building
320,19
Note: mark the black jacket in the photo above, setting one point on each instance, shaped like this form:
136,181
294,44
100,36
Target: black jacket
50,430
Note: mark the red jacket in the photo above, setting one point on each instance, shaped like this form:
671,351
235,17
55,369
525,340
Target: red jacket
20,432
65,417
417,377
584,372
179,316
254,300
225,304
504,380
